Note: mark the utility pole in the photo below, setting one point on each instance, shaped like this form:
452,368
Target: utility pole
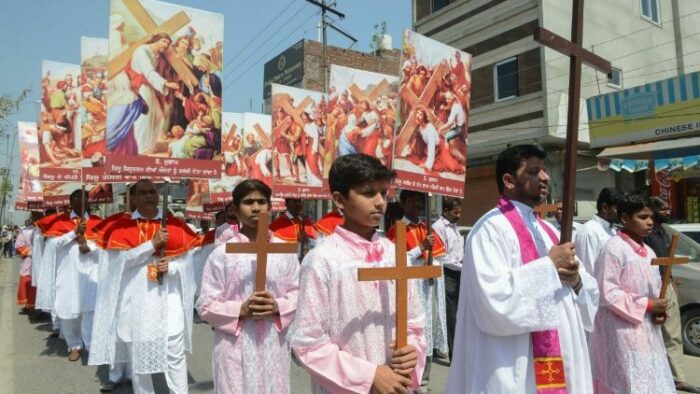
6,174
324,27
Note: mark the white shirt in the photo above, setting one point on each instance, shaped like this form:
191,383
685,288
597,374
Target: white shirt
502,301
312,132
176,318
590,239
454,243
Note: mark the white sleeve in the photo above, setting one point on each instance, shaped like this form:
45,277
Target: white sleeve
507,299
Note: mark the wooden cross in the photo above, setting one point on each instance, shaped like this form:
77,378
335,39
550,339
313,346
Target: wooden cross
544,209
170,27
422,102
293,112
401,273
577,55
261,248
264,139
669,262
359,95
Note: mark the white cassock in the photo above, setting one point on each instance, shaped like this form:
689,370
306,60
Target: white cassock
199,257
142,322
590,239
148,127
68,286
502,301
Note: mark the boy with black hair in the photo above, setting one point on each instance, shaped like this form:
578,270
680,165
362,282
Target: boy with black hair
344,328
251,354
627,352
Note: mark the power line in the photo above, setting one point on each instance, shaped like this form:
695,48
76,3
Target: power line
259,34
282,26
240,75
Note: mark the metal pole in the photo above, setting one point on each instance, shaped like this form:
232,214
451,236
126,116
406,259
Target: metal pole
325,44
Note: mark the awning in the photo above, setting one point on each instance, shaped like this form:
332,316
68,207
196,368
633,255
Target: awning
655,150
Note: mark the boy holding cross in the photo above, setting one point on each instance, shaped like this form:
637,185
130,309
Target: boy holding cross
249,305
344,329
627,349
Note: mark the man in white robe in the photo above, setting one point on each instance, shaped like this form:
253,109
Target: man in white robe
503,301
591,237
140,319
68,281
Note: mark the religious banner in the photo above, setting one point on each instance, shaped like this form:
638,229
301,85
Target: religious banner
57,194
362,107
59,123
29,161
298,124
165,78
198,197
430,147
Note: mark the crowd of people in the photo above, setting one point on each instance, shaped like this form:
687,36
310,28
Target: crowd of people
514,311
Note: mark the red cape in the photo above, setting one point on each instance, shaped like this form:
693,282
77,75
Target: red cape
327,224
288,231
415,235
126,233
59,224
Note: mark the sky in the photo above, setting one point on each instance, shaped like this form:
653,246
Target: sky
36,30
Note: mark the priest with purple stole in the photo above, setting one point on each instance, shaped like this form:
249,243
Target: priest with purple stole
526,301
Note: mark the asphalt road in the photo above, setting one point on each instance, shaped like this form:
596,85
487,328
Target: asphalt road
30,362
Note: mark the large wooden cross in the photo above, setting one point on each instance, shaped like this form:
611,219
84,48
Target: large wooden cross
669,262
401,273
146,22
577,55
544,209
293,112
261,248
359,95
422,102
264,139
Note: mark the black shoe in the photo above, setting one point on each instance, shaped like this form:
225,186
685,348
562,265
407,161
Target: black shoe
108,386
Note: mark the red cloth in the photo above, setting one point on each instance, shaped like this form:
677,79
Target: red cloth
415,236
26,293
126,233
208,238
57,225
327,224
289,231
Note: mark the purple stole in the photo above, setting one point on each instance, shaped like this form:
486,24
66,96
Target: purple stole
546,350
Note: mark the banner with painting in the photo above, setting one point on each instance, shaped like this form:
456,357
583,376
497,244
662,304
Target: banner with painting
362,109
29,194
165,81
299,144
59,123
430,147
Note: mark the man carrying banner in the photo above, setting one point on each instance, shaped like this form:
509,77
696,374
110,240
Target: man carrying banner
144,314
67,283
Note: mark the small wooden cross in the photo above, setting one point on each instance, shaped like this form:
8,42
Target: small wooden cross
577,55
401,273
544,209
669,262
261,247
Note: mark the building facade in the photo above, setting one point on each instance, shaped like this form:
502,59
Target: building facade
520,88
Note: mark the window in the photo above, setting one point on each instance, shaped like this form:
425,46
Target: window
615,78
439,4
505,75
650,10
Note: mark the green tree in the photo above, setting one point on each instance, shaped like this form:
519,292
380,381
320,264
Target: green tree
378,32
9,105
